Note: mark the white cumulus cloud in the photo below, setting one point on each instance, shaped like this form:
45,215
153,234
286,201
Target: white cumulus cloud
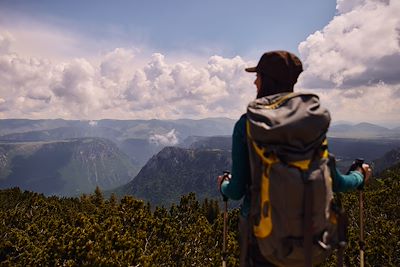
117,65
360,46
353,62
93,123
168,139
116,86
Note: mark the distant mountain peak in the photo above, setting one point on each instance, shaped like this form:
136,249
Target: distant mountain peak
175,171
364,130
369,126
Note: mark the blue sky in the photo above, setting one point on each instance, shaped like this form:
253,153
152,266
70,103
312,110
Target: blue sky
230,27
185,59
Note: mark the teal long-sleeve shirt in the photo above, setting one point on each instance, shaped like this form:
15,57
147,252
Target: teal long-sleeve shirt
236,188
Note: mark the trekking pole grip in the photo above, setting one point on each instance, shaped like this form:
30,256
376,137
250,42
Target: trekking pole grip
227,176
358,164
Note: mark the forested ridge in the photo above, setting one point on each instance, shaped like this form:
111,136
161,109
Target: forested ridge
95,231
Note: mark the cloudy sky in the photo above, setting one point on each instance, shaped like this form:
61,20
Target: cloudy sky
186,59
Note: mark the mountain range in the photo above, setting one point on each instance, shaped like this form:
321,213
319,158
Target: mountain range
151,159
65,168
120,130
115,130
363,130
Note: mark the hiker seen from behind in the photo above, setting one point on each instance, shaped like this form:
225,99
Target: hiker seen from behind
283,171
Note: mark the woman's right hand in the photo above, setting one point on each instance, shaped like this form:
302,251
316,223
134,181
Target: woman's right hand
220,179
366,171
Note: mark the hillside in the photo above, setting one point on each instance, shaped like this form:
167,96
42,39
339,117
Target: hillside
176,171
68,167
93,231
388,160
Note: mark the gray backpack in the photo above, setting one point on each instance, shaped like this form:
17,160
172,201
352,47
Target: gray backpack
291,212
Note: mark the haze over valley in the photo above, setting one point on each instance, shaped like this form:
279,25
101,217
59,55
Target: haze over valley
153,160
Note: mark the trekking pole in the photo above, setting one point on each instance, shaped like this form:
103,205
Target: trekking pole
225,233
224,254
362,242
358,164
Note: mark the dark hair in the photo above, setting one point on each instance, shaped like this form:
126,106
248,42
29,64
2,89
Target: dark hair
270,86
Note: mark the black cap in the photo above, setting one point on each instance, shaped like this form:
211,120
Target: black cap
281,66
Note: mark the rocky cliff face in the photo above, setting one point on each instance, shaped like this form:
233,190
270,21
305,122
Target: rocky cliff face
176,171
66,168
390,159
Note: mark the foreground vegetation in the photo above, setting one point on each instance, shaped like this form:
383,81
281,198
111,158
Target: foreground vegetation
94,231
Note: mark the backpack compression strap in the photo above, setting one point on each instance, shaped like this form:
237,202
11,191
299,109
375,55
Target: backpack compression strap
264,227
